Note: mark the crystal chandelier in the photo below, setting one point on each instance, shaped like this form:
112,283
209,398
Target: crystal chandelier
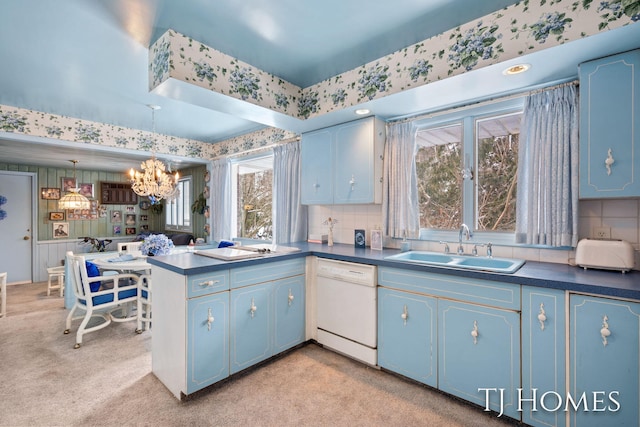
154,182
73,199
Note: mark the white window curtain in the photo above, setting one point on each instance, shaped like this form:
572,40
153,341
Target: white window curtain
221,199
547,200
400,212
290,217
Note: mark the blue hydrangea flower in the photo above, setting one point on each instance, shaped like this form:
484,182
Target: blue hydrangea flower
156,244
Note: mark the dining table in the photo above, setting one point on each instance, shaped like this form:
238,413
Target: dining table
124,264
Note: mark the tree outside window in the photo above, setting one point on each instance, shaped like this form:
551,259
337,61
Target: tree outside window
253,192
469,177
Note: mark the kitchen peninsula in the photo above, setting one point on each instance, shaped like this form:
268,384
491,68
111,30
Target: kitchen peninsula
215,318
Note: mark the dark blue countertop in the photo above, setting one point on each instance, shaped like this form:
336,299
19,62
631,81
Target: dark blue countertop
541,274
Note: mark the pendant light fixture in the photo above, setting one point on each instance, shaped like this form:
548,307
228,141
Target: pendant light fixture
153,182
73,199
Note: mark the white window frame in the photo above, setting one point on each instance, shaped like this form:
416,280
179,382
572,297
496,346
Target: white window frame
236,165
468,118
181,207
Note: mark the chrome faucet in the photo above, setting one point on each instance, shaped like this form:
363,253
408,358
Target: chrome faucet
463,230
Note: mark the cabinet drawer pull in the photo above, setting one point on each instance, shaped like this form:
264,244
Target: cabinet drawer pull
208,283
253,308
609,161
542,316
405,314
290,298
352,182
474,332
605,332
210,320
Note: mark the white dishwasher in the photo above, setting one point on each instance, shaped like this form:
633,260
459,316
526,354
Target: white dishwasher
347,308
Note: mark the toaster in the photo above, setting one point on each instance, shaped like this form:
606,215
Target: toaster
605,254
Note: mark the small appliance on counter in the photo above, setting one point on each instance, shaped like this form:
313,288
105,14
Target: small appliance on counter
360,240
605,254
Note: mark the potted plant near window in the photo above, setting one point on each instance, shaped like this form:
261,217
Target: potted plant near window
199,205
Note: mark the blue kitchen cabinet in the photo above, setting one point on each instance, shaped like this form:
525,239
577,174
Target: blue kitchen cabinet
208,340
610,126
267,314
604,361
192,314
407,335
543,355
478,334
289,311
251,324
317,167
343,164
479,355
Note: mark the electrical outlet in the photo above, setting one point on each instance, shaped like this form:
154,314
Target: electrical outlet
601,232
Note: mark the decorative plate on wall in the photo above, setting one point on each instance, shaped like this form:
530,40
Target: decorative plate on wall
207,176
206,192
144,205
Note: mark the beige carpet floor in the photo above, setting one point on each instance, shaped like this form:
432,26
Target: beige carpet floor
108,382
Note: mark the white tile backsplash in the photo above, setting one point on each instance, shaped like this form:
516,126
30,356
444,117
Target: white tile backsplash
621,215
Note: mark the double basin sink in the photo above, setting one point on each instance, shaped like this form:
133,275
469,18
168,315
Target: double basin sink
466,262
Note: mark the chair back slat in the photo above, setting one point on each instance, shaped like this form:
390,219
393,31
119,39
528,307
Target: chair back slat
80,277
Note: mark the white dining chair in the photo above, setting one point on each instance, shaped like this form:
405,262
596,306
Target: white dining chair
143,311
99,296
132,248
3,294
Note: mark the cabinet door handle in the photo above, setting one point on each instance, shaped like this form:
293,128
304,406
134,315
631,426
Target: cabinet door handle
315,187
352,182
609,161
208,283
253,308
605,332
405,315
542,316
210,319
290,298
474,332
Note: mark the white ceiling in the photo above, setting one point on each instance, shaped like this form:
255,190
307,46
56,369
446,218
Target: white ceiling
88,59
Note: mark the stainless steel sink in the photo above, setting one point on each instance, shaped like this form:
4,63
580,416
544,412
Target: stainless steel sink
467,262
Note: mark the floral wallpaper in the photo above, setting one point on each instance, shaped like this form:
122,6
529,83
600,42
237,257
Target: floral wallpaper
522,28
68,129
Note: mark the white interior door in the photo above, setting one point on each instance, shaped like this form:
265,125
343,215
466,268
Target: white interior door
16,229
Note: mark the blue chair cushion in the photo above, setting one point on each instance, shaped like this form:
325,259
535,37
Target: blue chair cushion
103,299
225,244
93,271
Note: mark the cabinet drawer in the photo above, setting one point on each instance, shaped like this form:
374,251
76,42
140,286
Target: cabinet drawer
253,274
485,292
207,283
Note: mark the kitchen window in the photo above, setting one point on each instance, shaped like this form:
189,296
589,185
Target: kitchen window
178,215
252,198
466,162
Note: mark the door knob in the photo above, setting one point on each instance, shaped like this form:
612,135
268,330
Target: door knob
26,238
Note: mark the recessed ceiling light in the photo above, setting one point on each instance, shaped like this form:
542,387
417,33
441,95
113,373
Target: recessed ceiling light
362,111
516,69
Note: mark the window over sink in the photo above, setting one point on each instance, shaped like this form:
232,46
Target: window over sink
466,162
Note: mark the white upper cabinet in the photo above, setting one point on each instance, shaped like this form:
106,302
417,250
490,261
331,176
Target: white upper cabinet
610,126
343,164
